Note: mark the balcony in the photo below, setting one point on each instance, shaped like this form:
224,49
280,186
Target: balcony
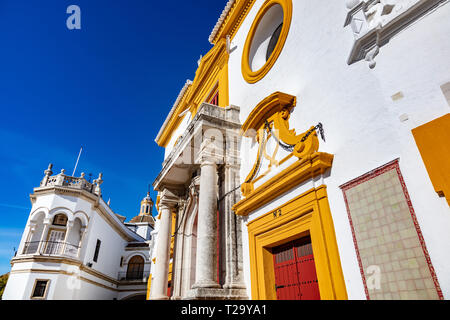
134,276
50,248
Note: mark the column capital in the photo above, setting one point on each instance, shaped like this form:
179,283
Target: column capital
168,199
208,162
209,155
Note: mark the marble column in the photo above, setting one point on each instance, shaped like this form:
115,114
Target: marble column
206,261
161,274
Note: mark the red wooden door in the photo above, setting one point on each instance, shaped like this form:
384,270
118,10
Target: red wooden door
295,271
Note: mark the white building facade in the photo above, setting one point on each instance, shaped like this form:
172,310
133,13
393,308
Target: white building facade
340,167
74,247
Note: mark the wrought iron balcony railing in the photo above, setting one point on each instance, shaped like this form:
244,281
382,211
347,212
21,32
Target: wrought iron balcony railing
134,275
50,248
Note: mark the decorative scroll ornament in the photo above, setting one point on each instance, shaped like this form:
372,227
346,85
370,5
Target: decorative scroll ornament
270,119
375,22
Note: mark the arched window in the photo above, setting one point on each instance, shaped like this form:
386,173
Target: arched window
146,209
135,269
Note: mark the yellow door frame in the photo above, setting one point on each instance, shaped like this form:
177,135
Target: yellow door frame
306,214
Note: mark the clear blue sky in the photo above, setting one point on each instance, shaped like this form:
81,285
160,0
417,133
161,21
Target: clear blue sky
107,87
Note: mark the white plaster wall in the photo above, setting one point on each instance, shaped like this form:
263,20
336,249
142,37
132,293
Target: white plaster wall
17,287
177,133
360,119
111,248
144,231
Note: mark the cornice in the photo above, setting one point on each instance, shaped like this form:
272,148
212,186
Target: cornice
230,20
208,68
60,260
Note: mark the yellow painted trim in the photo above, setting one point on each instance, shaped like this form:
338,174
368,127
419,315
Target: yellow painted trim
300,171
170,272
268,107
212,70
234,19
149,285
306,214
433,141
254,76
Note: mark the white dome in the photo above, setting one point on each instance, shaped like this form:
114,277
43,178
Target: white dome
351,3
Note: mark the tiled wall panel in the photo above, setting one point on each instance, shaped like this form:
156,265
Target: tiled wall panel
387,237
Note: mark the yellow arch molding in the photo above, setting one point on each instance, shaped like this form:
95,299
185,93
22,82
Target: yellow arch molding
274,111
254,76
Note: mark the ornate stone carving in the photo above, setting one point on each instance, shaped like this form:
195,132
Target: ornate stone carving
270,120
375,22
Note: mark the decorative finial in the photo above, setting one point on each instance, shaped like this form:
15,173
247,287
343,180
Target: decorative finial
98,182
109,202
83,175
49,171
63,171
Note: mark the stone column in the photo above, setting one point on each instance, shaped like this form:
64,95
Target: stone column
23,247
178,252
206,261
233,242
160,279
66,237
47,224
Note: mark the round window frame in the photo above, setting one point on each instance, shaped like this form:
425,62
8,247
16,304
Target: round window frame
254,76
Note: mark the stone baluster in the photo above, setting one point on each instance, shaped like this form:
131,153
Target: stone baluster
61,177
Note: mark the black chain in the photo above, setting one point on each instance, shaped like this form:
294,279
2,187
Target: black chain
290,147
287,147
318,127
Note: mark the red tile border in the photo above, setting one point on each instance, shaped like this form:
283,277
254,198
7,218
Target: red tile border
368,176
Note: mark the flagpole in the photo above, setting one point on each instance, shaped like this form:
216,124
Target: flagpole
76,164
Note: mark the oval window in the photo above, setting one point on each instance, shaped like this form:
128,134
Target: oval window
273,41
266,39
